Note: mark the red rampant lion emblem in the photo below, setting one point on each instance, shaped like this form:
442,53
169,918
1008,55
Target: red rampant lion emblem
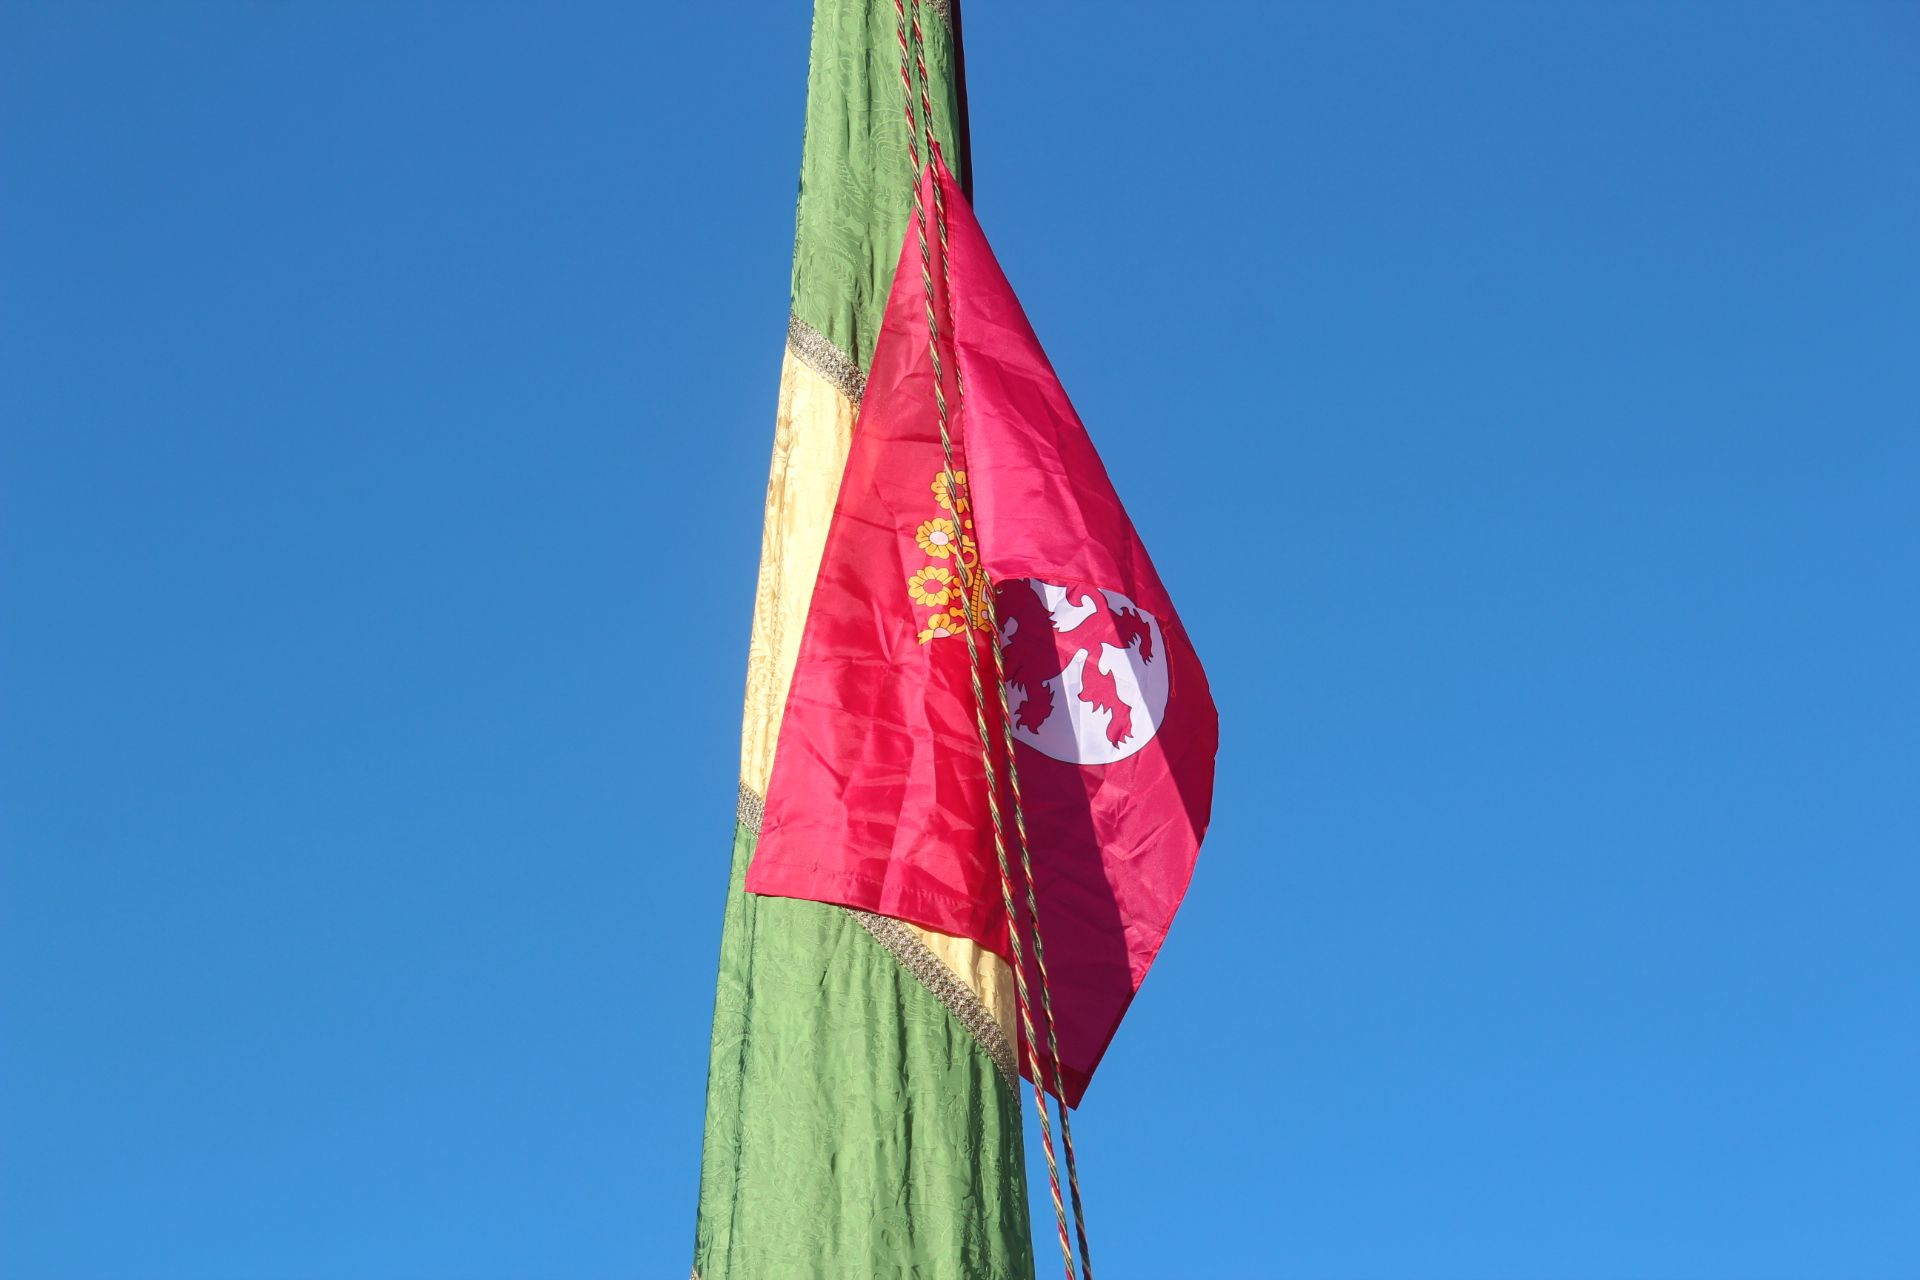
1039,652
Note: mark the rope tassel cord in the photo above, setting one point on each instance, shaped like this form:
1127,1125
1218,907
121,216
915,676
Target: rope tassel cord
990,617
1000,683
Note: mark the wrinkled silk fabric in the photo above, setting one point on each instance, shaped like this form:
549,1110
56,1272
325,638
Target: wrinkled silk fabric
878,798
856,1125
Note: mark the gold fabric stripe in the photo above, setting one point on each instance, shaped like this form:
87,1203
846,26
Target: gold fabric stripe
812,432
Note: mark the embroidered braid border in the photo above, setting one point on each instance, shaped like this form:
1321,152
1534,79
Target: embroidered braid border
751,811
811,348
949,990
905,946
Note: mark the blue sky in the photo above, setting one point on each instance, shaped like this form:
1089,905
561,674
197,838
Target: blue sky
1520,401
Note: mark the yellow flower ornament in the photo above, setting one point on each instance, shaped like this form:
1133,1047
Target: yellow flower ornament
944,498
937,537
940,625
932,586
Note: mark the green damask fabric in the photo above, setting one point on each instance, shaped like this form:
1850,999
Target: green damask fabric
854,1127
856,182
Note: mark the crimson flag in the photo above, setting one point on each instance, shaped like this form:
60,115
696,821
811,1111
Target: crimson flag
877,798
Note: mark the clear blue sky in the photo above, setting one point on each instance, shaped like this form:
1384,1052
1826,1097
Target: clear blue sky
1522,402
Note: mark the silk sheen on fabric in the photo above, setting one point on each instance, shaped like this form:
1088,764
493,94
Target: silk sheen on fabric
878,795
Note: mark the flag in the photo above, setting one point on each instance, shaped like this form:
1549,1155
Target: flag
878,798
862,1112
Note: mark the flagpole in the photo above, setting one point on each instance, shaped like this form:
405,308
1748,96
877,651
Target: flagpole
962,126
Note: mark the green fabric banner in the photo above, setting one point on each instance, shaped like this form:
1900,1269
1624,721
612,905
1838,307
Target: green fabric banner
857,1124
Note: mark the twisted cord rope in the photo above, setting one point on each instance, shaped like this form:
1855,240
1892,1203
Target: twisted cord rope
954,492
1000,679
906,85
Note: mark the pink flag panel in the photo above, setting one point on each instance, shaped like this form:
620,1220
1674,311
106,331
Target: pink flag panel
878,793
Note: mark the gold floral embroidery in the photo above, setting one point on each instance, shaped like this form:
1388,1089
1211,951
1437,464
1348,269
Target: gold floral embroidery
932,585
969,550
955,591
978,601
945,499
937,537
943,624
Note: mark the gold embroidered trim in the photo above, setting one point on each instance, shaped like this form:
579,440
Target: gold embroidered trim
752,809
812,348
914,957
904,946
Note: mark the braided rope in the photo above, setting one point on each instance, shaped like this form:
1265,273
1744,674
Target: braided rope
955,491
1006,714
